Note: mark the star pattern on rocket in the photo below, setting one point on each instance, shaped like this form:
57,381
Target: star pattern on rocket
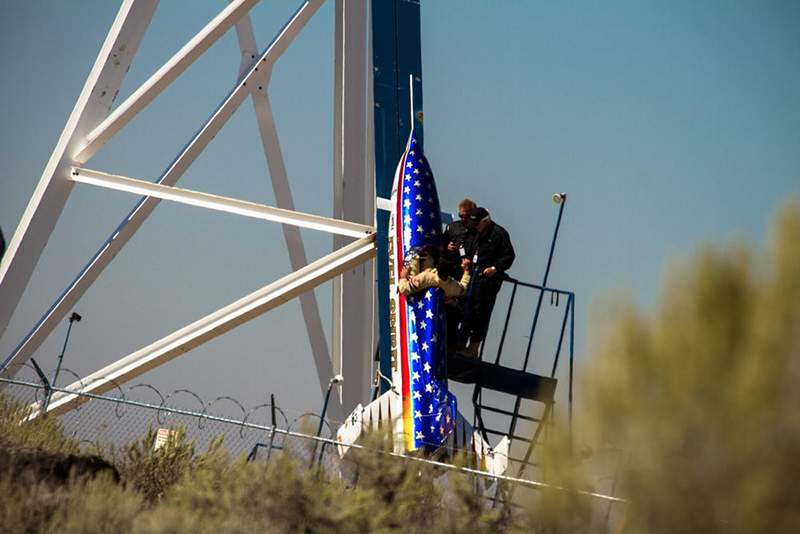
421,214
433,407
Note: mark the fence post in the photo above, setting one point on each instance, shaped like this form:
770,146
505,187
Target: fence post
274,424
48,389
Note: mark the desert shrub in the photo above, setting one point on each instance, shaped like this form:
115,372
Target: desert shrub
701,395
40,434
241,497
395,494
153,471
391,495
562,507
97,505
80,505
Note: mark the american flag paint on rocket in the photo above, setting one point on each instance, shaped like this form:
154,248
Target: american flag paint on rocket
418,408
418,323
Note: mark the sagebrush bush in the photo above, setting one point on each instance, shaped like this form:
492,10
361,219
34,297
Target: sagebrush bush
174,489
701,397
390,495
153,471
40,434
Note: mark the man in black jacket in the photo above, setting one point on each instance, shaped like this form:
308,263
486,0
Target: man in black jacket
492,255
454,240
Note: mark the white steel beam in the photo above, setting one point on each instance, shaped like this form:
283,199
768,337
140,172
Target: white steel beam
354,200
220,203
383,204
50,196
128,227
214,324
163,77
283,198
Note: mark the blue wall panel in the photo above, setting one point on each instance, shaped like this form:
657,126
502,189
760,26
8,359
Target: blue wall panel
396,54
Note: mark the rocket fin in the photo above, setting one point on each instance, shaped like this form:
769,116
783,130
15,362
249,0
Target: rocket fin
384,410
493,460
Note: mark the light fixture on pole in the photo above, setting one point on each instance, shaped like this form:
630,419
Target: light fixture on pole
72,318
49,385
337,380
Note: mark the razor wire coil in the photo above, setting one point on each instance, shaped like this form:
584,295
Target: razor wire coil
27,391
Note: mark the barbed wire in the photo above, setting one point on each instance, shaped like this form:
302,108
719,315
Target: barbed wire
119,435
136,424
328,423
302,444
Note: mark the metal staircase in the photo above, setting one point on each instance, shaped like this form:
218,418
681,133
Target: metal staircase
528,390
525,397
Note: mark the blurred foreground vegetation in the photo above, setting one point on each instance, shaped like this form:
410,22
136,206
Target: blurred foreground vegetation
174,489
701,397
695,408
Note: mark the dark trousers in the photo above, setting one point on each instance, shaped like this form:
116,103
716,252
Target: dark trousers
479,310
453,315
468,318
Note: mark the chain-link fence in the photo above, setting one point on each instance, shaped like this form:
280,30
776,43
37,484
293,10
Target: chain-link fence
127,413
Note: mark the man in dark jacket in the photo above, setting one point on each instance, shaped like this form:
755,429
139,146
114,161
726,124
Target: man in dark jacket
454,240
492,255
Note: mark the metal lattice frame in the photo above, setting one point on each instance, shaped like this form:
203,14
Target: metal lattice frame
91,125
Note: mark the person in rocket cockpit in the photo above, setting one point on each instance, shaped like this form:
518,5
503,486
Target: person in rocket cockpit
420,272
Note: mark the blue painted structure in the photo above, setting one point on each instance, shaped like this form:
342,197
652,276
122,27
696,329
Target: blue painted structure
396,54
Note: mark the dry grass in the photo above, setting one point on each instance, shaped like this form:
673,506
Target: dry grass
174,489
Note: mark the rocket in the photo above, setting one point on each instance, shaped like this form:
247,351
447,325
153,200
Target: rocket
418,337
418,407
420,411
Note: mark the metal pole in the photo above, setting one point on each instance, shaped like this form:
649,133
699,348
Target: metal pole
505,325
560,340
338,379
252,456
561,199
274,423
49,385
48,391
571,358
72,318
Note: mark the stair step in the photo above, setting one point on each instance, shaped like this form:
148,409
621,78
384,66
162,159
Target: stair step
510,414
498,378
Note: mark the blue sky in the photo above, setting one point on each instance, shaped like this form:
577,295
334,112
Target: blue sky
669,126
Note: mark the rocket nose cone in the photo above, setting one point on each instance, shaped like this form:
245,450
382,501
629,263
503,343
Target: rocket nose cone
421,213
